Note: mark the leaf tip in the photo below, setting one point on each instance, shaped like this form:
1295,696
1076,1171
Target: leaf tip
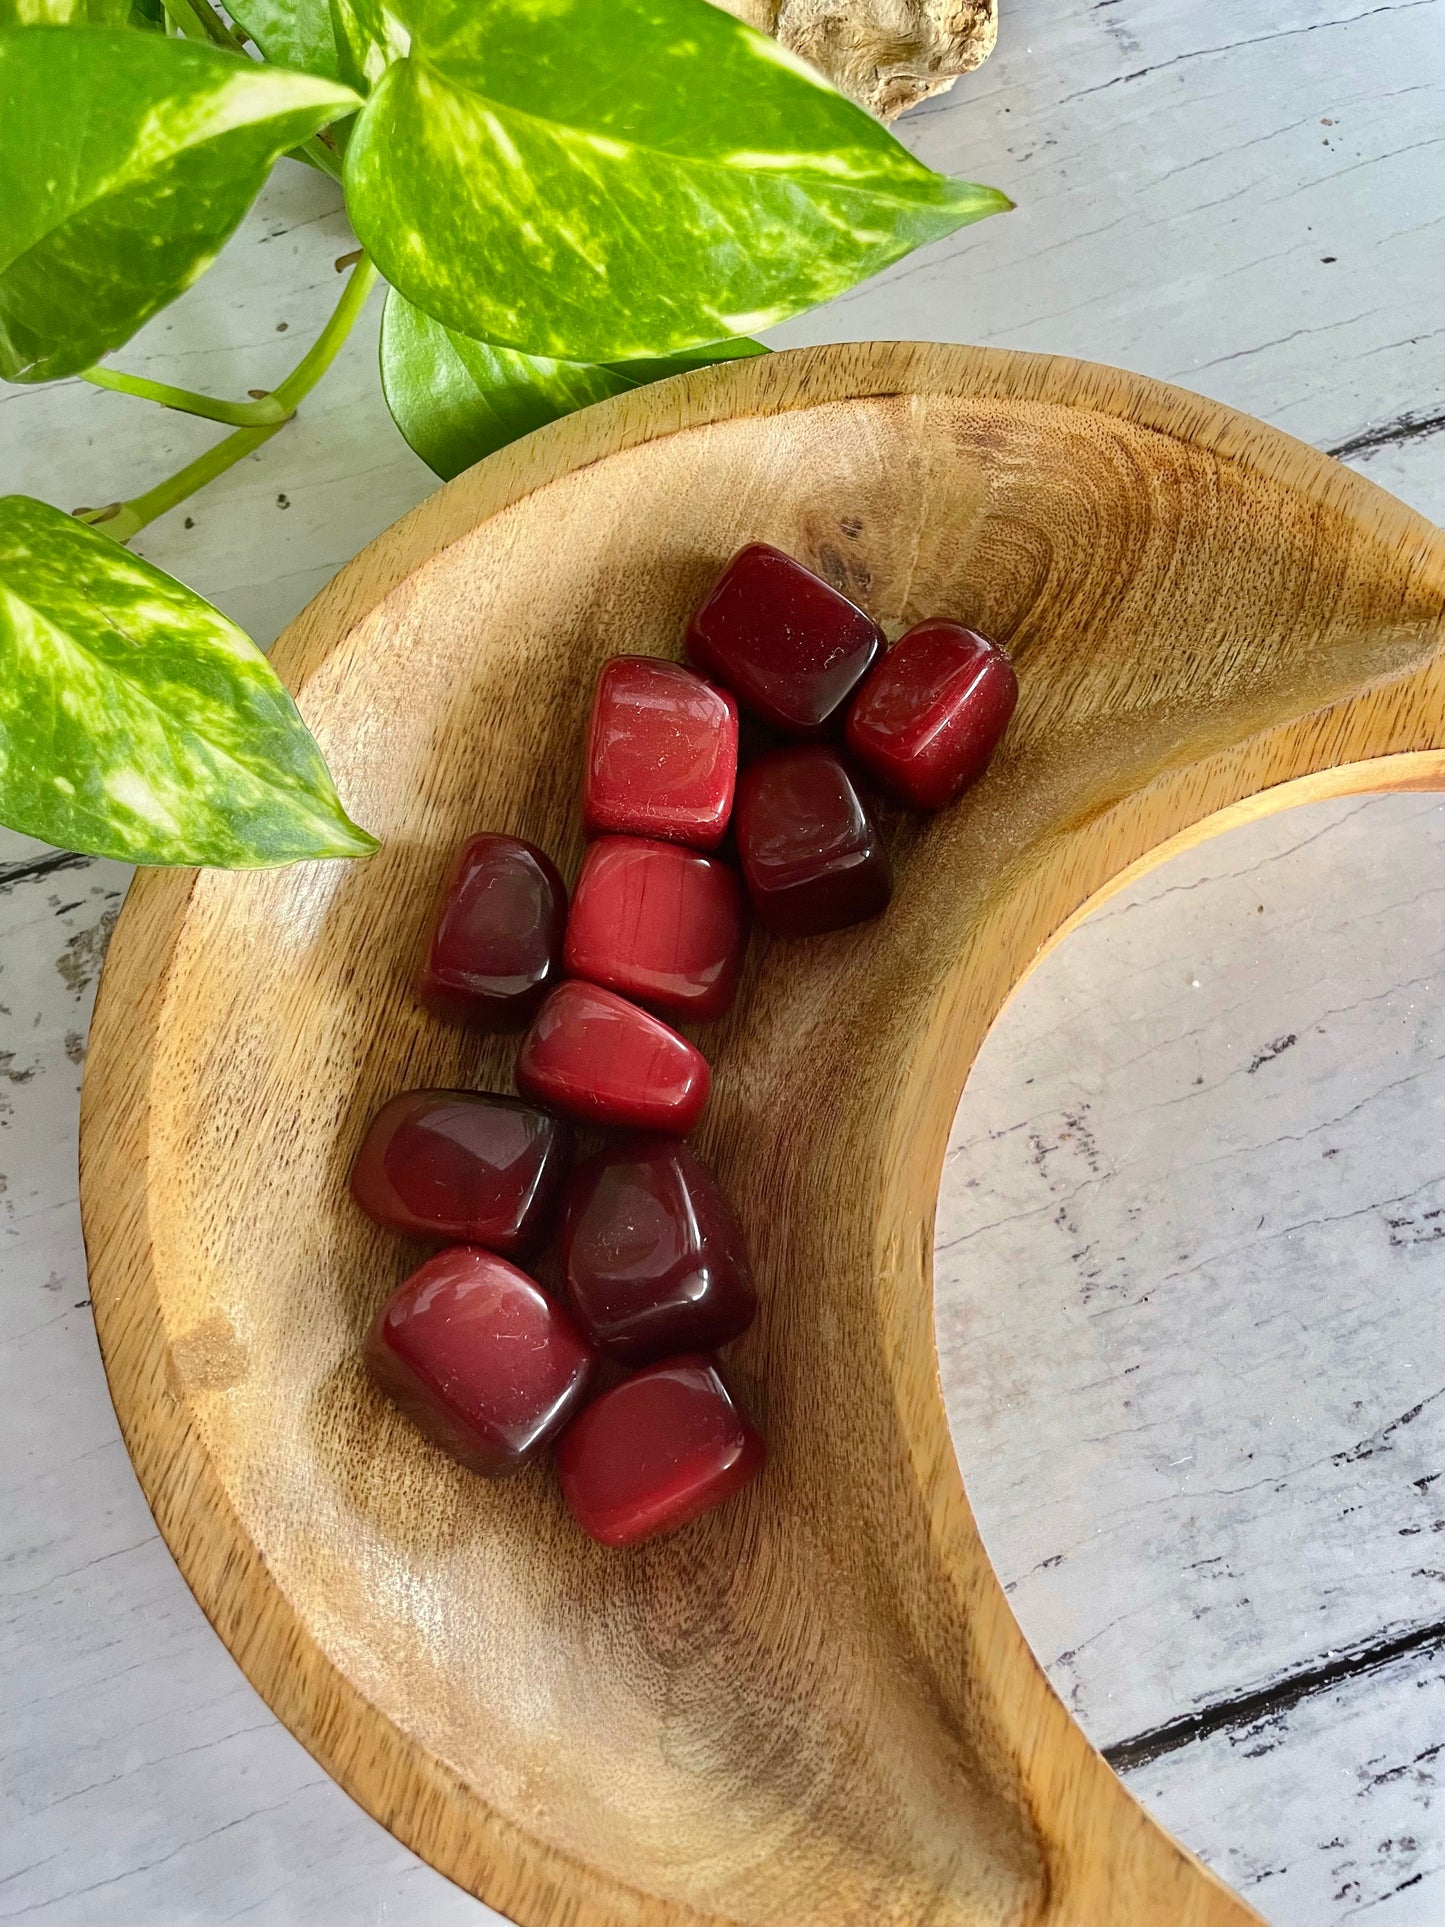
350,840
975,202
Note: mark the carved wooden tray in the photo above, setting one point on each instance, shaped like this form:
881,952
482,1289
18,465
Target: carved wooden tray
814,1707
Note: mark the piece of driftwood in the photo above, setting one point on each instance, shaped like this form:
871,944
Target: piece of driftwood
888,54
814,1707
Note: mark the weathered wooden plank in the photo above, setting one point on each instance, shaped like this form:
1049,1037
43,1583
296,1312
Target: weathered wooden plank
1191,1286
1371,1850
1241,198
1191,1268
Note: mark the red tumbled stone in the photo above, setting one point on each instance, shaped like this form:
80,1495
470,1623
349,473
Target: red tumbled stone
660,923
480,1359
602,1060
811,853
655,1452
461,1167
496,944
662,753
931,714
788,646
653,1254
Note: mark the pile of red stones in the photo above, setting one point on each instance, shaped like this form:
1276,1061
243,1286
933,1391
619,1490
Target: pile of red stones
655,1268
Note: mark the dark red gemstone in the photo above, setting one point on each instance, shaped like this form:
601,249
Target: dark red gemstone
931,714
662,753
654,1256
602,1060
480,1359
810,851
657,922
461,1167
788,646
655,1452
496,945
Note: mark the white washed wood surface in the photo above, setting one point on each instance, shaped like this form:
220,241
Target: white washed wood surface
1182,173
1191,1318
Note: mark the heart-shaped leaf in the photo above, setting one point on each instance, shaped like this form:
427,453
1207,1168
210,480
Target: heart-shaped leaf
136,721
456,399
128,159
607,179
294,33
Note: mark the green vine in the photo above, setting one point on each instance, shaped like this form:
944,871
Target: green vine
122,520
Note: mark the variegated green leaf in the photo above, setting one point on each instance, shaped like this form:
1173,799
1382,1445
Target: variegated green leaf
137,722
369,36
606,179
456,399
294,33
82,13
127,159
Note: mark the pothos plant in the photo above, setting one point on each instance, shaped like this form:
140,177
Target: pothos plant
567,198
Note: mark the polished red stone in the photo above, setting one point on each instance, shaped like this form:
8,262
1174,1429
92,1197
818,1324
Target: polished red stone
931,714
660,923
789,647
461,1167
655,1452
602,1060
810,851
480,1359
662,753
496,945
653,1254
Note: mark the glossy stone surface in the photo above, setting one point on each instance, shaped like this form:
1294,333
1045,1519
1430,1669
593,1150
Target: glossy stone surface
596,1057
789,647
496,945
480,1359
657,922
655,1452
930,716
654,1257
662,753
462,1167
810,851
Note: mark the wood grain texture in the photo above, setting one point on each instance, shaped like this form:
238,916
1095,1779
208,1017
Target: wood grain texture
815,1706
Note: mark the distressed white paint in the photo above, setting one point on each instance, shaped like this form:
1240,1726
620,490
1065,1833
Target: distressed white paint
1194,1222
1181,172
1327,1812
1191,1316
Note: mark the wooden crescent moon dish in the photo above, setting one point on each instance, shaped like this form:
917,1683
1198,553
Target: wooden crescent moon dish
813,1707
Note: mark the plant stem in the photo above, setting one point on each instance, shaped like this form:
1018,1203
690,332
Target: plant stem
125,519
187,16
239,414
315,153
215,29
323,351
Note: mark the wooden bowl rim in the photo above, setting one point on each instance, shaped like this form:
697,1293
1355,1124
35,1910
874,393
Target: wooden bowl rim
378,1763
